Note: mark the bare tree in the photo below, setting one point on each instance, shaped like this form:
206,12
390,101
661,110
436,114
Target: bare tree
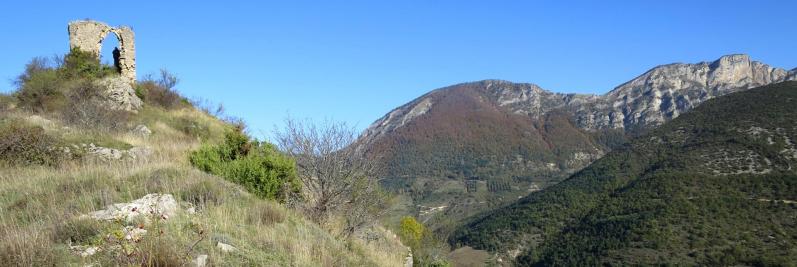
168,80
337,179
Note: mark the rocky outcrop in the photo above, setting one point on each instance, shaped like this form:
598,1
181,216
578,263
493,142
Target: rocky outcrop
659,95
665,92
147,208
111,154
119,94
161,206
87,35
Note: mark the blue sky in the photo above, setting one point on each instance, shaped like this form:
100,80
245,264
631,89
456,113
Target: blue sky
356,60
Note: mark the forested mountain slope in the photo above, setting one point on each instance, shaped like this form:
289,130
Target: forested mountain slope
475,146
716,186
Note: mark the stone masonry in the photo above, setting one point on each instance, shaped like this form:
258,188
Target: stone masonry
87,35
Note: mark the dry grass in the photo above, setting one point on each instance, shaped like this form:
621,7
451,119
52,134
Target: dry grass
39,207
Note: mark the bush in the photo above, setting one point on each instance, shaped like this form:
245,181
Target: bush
265,214
427,250
66,86
40,88
86,108
79,64
258,166
204,193
7,102
191,128
24,144
411,232
160,92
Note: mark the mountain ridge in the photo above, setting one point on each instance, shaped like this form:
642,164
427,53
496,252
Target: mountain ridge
477,145
718,83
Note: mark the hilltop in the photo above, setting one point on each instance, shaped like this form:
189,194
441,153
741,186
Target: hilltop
96,171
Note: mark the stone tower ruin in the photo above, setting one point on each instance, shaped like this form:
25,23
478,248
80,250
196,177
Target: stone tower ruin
87,35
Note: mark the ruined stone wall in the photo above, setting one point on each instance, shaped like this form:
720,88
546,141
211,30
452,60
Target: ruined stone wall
87,35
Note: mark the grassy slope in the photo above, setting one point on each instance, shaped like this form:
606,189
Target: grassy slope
38,207
658,200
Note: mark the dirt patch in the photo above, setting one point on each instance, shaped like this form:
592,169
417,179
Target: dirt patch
469,257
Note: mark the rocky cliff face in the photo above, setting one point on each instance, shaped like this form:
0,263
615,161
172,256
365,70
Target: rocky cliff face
654,97
665,92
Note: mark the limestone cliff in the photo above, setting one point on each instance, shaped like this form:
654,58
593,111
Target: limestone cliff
667,91
650,99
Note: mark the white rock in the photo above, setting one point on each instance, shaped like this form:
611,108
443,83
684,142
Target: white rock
120,94
225,247
141,130
201,260
84,251
139,152
104,153
160,206
112,154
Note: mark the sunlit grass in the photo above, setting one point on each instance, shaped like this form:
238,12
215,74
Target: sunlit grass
38,203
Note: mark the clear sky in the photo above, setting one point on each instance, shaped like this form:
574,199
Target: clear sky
356,60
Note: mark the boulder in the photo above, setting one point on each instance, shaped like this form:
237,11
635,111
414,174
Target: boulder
112,154
139,152
225,247
141,130
201,261
104,153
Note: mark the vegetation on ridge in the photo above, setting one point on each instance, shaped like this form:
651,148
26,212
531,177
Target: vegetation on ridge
257,166
716,186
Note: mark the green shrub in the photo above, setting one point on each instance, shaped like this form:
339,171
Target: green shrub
40,89
258,166
79,64
191,128
24,144
69,89
7,102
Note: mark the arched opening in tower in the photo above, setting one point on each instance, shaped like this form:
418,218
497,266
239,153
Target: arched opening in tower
110,51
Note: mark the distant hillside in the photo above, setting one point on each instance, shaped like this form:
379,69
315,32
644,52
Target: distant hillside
457,147
716,186
474,146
